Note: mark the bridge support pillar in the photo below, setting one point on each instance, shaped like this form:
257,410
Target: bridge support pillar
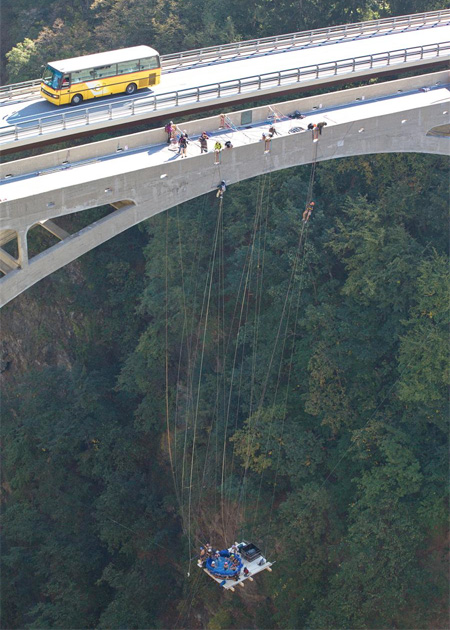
23,248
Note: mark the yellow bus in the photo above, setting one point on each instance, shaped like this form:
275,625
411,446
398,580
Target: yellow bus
117,71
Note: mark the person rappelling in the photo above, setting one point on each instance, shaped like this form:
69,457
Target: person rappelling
221,188
308,211
217,149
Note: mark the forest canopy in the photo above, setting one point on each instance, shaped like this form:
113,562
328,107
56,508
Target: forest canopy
225,373
34,32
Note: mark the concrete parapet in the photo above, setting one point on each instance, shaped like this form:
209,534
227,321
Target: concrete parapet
92,151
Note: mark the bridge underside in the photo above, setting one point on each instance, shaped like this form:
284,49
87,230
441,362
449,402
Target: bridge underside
141,193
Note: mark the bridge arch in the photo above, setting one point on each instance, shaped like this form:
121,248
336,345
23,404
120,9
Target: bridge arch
140,194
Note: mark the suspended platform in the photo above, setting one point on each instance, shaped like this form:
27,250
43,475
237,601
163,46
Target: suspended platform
250,562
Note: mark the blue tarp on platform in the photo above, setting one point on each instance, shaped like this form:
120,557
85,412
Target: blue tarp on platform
218,570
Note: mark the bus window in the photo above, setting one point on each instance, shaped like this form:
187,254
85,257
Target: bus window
106,71
125,67
65,83
52,77
150,63
81,76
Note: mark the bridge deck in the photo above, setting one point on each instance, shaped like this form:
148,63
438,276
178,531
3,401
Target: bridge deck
144,178
33,121
116,164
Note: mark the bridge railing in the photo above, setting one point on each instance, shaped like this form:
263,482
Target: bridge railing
7,92
175,61
289,40
82,117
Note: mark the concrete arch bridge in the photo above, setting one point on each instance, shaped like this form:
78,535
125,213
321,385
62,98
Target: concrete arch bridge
139,175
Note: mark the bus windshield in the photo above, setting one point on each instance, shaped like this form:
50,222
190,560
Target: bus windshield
52,77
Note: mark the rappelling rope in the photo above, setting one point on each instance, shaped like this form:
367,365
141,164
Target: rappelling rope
192,353
304,231
260,221
244,305
169,438
250,441
247,280
312,176
294,335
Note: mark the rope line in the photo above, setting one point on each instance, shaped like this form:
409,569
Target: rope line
252,273
244,302
169,439
268,372
200,376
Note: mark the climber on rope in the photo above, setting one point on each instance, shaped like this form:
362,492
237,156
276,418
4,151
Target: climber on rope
308,211
266,141
221,188
217,149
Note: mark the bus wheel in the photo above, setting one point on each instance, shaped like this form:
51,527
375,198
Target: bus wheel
131,89
76,99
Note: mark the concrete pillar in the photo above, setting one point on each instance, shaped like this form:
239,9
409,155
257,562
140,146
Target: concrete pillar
23,248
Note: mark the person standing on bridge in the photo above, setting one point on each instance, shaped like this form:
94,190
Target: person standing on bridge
204,142
168,130
183,142
173,133
173,137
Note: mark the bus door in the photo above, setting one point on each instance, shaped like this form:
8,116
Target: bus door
65,89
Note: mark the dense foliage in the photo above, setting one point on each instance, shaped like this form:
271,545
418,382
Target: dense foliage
235,375
34,32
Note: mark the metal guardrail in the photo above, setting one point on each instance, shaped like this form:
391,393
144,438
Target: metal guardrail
7,92
294,39
174,61
99,113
